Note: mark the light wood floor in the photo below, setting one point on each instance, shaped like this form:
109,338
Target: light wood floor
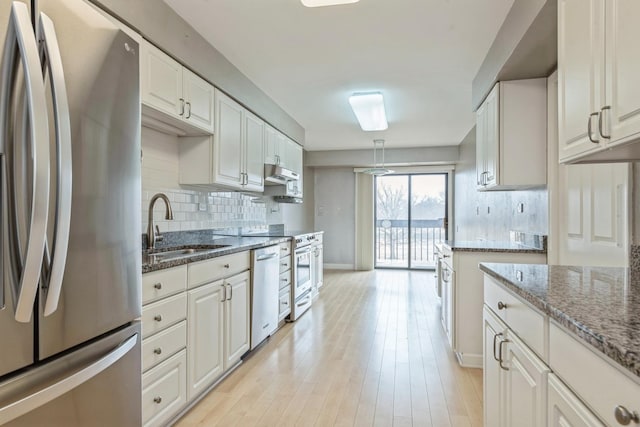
370,352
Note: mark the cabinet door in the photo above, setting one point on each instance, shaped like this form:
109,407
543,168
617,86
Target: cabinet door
237,318
448,306
565,409
282,157
492,373
492,136
161,81
580,74
623,69
294,156
254,152
319,270
481,141
198,95
227,155
525,385
270,145
205,336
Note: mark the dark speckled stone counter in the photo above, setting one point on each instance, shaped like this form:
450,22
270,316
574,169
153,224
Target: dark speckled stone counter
235,244
490,246
601,305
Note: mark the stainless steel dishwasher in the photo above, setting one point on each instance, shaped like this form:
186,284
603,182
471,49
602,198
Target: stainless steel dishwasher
265,267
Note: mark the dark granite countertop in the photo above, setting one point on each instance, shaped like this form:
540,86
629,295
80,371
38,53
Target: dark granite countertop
601,305
235,244
490,246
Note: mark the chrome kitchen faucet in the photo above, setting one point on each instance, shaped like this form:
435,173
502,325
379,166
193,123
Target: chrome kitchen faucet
153,235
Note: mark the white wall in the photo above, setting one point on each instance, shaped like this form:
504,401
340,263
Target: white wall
335,214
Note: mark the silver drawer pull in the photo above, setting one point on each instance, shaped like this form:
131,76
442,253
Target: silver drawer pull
226,266
157,399
158,318
158,286
501,305
624,416
157,350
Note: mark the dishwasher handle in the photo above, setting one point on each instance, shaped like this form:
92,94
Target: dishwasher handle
266,257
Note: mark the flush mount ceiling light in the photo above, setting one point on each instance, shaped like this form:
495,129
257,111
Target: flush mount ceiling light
320,3
369,110
378,170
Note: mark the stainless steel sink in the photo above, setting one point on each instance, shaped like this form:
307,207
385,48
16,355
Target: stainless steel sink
184,252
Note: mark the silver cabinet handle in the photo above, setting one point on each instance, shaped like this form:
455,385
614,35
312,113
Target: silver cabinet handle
226,266
182,106
624,416
158,286
189,114
500,355
495,339
501,305
224,293
50,54
53,391
157,350
602,110
230,292
589,131
157,399
157,318
26,256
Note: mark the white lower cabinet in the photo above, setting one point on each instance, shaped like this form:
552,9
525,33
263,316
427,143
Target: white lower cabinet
164,390
218,323
205,345
565,409
492,376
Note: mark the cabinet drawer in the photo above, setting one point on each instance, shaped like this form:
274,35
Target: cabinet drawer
217,268
163,345
159,315
285,264
527,323
285,249
285,280
589,374
159,284
284,305
164,390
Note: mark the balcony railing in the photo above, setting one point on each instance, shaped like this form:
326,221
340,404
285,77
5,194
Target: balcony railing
393,237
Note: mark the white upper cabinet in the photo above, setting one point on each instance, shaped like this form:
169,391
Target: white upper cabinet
183,99
598,87
271,145
233,157
282,151
511,136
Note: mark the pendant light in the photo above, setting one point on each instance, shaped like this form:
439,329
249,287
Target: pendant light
378,170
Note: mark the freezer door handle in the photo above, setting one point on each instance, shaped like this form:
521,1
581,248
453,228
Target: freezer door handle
51,392
51,61
27,254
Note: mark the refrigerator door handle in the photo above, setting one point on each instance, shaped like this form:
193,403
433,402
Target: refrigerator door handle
21,43
53,391
51,60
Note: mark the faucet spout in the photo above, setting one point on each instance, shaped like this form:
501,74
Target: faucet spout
152,236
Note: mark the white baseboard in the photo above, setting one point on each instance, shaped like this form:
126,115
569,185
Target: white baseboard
338,266
469,360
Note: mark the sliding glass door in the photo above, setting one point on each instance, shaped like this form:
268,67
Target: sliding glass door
411,215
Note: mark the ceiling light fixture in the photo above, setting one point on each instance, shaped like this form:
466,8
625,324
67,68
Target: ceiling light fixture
320,3
369,110
378,170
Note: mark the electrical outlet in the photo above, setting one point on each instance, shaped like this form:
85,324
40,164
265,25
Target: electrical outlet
520,207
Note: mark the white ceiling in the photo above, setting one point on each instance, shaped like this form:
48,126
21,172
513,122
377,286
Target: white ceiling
421,54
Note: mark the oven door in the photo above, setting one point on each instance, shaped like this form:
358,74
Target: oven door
301,272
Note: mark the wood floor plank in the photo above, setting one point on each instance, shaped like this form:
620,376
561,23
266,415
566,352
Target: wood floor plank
370,352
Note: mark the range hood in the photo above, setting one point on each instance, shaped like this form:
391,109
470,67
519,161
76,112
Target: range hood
287,199
274,174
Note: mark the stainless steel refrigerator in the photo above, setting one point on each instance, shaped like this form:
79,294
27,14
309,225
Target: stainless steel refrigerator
70,212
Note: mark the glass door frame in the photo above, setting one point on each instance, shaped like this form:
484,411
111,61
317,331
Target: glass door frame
448,175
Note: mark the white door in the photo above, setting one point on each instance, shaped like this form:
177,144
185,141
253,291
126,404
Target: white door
564,409
623,69
161,81
237,335
227,156
481,142
270,145
294,156
254,152
492,136
205,336
492,373
198,95
581,83
525,386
